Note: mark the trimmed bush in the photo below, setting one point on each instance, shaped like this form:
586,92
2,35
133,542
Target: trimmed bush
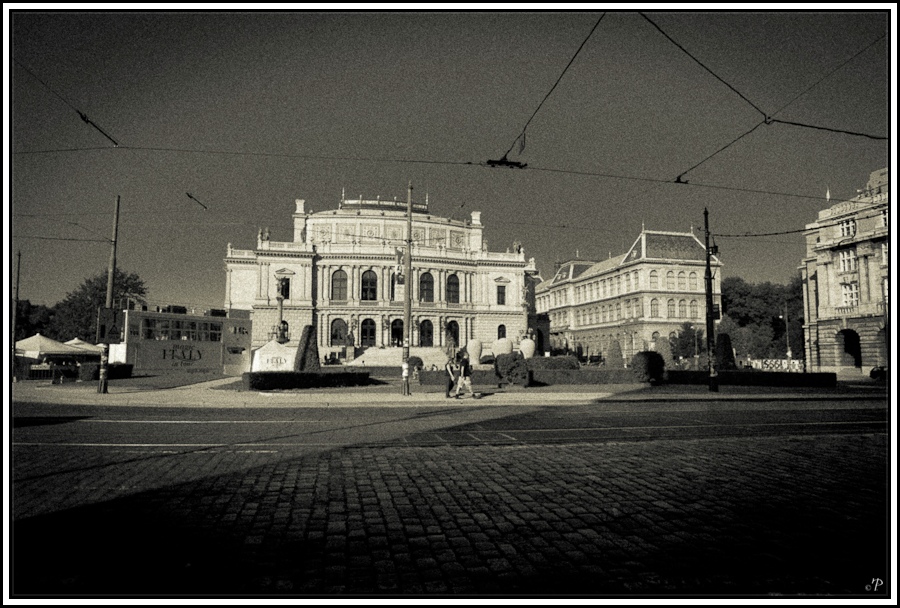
267,381
511,368
615,360
536,363
724,353
416,362
648,366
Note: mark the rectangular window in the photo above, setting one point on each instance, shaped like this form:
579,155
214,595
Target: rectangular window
501,295
850,294
848,260
884,217
848,228
884,254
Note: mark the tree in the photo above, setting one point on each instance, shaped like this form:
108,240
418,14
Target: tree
32,319
76,315
615,359
756,313
688,341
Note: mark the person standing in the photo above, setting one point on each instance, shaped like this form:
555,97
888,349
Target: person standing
452,373
465,376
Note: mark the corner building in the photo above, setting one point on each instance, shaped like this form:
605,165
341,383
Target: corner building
845,277
635,299
342,274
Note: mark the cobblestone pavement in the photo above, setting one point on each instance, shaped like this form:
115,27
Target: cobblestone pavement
768,515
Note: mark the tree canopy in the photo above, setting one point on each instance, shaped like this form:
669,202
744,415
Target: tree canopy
754,317
76,315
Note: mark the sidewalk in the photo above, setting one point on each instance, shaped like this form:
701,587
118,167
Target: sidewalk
227,393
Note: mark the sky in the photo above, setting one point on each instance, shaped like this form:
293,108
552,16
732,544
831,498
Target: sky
249,110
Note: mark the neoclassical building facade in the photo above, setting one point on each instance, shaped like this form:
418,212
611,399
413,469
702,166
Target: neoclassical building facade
634,299
845,278
342,274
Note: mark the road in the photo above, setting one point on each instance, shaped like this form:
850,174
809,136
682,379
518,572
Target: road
601,499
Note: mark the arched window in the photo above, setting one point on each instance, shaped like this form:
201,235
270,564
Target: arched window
501,331
339,286
393,286
627,281
670,281
338,332
682,309
654,280
426,333
634,279
692,281
655,336
453,289
426,287
682,281
367,333
618,311
369,291
654,307
670,309
618,285
627,308
452,334
695,310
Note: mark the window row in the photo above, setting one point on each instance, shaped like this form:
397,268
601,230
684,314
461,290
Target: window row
340,334
628,309
167,329
369,287
624,283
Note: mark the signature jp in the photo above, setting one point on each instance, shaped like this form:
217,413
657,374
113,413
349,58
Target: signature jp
876,583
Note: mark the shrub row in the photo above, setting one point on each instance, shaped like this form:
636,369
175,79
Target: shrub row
267,381
587,375
755,378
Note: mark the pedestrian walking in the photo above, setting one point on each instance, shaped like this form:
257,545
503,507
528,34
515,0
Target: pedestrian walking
464,381
452,373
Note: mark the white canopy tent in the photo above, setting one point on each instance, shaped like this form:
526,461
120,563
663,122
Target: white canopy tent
38,347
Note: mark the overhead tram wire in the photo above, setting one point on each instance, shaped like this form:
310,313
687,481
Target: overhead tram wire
796,231
565,69
767,118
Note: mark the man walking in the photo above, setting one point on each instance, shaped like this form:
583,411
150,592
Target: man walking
452,373
465,376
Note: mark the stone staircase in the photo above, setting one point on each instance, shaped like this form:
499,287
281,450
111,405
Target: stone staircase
393,357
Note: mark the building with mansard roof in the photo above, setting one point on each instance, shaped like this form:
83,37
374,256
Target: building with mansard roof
635,298
845,278
342,274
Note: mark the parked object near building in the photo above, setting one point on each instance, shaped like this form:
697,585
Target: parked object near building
637,299
342,273
846,282
168,341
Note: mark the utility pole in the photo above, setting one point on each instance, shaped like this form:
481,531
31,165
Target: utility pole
15,313
102,387
710,327
407,292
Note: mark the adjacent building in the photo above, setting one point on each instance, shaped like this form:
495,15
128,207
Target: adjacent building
342,273
845,282
635,298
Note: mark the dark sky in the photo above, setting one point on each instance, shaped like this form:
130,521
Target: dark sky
249,111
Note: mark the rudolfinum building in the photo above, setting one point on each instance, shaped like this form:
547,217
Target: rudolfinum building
342,273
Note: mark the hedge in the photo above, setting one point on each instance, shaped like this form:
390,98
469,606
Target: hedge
536,363
266,381
586,375
648,366
755,378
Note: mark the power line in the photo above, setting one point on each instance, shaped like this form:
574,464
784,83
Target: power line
81,114
829,74
842,131
528,122
50,238
700,63
819,226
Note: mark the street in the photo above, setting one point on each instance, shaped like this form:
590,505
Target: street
601,498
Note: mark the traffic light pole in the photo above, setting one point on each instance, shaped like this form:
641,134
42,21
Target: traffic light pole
102,387
710,321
